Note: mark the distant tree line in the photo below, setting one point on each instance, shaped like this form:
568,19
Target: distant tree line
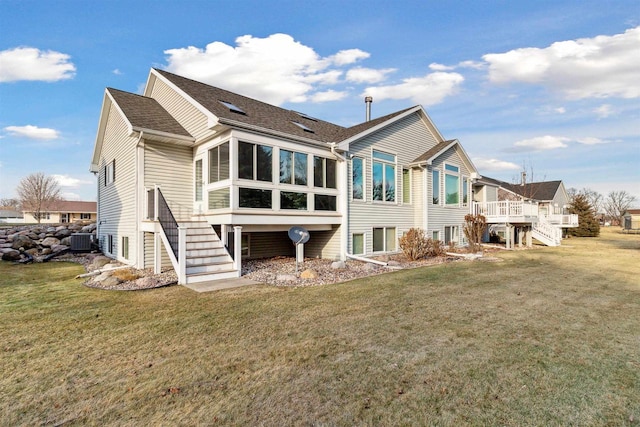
593,209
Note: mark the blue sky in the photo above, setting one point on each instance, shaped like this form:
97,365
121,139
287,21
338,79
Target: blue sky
553,86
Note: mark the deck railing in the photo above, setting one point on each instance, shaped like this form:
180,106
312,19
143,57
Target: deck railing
506,209
168,223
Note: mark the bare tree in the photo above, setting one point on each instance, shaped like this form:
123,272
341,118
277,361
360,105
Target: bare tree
10,203
38,194
615,205
593,197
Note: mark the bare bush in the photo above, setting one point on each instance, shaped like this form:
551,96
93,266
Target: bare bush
414,244
474,227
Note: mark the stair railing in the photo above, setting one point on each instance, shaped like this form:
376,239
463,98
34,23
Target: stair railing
168,223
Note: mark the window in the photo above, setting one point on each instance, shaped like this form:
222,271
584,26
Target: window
219,199
125,247
384,176
110,172
406,186
451,234
110,243
293,200
465,191
293,168
324,202
85,216
198,180
435,189
254,161
384,239
435,235
451,185
218,163
255,198
357,178
244,243
357,244
324,172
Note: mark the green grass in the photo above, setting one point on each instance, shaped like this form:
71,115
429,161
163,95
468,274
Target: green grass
549,336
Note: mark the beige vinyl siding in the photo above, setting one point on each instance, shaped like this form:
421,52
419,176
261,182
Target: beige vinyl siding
440,216
407,139
171,167
270,244
192,119
116,205
417,196
149,252
323,244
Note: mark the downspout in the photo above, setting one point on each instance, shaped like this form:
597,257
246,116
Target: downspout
363,259
344,196
138,237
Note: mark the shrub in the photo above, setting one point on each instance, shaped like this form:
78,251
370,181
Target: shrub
414,244
436,248
474,227
126,274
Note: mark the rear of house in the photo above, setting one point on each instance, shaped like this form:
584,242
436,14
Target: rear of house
197,178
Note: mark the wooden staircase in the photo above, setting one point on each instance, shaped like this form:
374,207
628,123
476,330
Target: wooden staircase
206,256
547,233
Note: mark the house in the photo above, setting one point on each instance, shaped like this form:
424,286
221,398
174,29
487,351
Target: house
524,211
198,178
65,211
631,219
11,216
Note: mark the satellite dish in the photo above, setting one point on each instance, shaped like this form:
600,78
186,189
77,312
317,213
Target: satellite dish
298,235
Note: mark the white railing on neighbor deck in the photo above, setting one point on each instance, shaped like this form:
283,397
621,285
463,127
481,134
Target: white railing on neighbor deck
569,220
506,210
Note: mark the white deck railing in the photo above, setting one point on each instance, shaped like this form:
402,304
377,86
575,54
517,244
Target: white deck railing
506,210
569,220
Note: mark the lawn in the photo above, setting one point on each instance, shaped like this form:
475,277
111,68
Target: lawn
547,336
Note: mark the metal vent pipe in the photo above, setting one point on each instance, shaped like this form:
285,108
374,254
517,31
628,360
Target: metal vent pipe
368,100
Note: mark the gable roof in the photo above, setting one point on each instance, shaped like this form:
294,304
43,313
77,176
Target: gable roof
255,114
545,190
632,212
74,206
435,151
146,113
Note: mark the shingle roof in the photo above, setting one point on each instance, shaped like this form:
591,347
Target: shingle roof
74,206
267,116
433,151
147,113
544,190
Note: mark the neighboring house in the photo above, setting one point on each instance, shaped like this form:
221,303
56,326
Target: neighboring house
65,211
631,219
196,177
524,211
10,216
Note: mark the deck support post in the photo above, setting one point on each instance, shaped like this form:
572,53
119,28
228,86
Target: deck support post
182,255
224,235
157,253
237,249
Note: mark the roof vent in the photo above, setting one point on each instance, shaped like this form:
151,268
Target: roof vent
303,127
368,100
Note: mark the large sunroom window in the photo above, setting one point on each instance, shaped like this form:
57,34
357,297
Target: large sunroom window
293,167
254,161
324,172
384,176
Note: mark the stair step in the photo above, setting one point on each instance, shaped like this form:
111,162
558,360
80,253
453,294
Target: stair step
205,251
201,238
206,277
209,268
210,260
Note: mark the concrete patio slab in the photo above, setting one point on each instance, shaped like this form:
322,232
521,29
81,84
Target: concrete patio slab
216,285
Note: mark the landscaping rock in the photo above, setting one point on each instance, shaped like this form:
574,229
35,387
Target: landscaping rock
338,265
309,274
21,241
110,281
50,241
10,255
286,277
60,234
100,261
59,248
146,282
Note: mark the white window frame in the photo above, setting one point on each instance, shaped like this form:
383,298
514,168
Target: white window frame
407,202
385,162
457,175
437,192
110,172
364,243
385,249
435,235
452,228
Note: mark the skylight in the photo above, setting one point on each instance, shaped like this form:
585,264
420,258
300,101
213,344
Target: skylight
232,107
305,116
303,127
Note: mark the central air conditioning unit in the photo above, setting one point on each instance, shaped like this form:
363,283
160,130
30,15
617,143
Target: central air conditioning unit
81,242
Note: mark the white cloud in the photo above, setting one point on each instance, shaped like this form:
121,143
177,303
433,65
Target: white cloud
32,132
276,69
598,67
68,195
440,67
368,75
117,72
476,65
592,141
329,95
29,63
542,143
348,56
68,181
603,111
560,110
428,90
494,165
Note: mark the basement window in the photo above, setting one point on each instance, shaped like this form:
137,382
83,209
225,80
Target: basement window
232,107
